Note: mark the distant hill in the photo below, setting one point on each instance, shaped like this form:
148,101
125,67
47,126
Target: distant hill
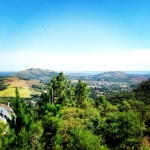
113,74
119,76
36,73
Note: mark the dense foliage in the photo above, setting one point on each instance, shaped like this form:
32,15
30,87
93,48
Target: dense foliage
141,92
2,85
66,118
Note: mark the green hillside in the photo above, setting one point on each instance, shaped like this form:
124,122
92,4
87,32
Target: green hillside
141,92
113,76
118,76
36,73
25,87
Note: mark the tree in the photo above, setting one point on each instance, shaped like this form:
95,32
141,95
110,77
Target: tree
21,125
61,91
81,92
142,92
51,135
81,139
20,118
122,131
50,117
58,88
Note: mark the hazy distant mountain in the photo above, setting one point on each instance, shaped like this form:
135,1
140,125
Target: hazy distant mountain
117,76
36,73
113,74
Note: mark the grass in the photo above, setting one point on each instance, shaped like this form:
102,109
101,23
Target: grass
10,92
24,87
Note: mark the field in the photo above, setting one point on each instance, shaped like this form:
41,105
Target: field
24,87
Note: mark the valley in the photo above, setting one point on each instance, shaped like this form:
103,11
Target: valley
31,82
112,82
85,105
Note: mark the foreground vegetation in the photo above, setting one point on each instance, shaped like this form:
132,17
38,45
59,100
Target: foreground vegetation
66,118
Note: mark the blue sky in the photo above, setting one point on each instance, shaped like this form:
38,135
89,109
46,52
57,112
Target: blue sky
75,35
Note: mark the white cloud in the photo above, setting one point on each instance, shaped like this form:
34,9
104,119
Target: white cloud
123,61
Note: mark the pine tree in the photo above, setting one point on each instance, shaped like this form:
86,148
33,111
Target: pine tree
81,92
21,124
60,89
21,118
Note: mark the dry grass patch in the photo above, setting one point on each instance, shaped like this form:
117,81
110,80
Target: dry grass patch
24,87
